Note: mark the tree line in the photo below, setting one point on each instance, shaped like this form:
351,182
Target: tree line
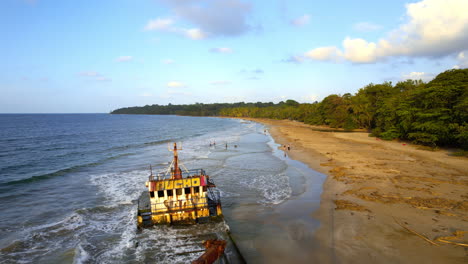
431,114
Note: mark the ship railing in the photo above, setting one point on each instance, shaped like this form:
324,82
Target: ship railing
185,174
179,205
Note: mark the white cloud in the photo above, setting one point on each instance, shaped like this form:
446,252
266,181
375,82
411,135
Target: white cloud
168,61
366,27
309,98
159,24
92,75
359,50
301,21
434,28
124,58
462,59
324,54
219,18
219,83
221,50
209,18
168,25
175,84
195,33
418,76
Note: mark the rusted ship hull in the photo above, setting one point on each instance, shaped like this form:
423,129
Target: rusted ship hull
178,211
187,197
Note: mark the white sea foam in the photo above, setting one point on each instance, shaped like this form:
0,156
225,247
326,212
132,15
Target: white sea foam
121,188
81,256
274,188
172,245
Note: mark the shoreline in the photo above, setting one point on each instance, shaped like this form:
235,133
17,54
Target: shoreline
378,196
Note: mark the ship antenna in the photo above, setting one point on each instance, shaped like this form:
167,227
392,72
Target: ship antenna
151,175
176,172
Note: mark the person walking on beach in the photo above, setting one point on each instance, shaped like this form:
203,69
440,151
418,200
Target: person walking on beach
289,147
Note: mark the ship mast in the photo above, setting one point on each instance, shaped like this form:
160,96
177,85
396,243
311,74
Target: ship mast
176,172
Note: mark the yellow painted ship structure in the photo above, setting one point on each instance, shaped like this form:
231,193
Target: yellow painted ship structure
179,197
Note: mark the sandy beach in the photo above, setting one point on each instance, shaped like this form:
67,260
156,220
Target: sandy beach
382,201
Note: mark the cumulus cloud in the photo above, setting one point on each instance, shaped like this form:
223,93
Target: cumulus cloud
324,53
434,28
159,24
220,18
366,27
175,84
210,18
418,76
462,59
168,25
221,50
124,58
301,21
195,33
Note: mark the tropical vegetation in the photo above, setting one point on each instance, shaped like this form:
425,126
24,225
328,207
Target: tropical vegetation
431,114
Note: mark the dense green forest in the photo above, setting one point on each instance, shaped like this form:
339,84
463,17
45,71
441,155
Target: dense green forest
431,114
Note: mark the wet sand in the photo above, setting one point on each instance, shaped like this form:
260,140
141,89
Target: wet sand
382,201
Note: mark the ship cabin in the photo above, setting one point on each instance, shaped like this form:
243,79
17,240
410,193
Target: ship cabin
179,197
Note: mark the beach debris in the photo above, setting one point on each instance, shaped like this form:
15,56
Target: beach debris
213,250
416,233
348,205
457,235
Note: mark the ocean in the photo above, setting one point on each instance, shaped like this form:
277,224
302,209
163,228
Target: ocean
69,184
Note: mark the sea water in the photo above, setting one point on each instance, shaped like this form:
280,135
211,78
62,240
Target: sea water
69,185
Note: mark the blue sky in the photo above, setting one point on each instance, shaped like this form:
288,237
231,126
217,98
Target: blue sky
96,56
